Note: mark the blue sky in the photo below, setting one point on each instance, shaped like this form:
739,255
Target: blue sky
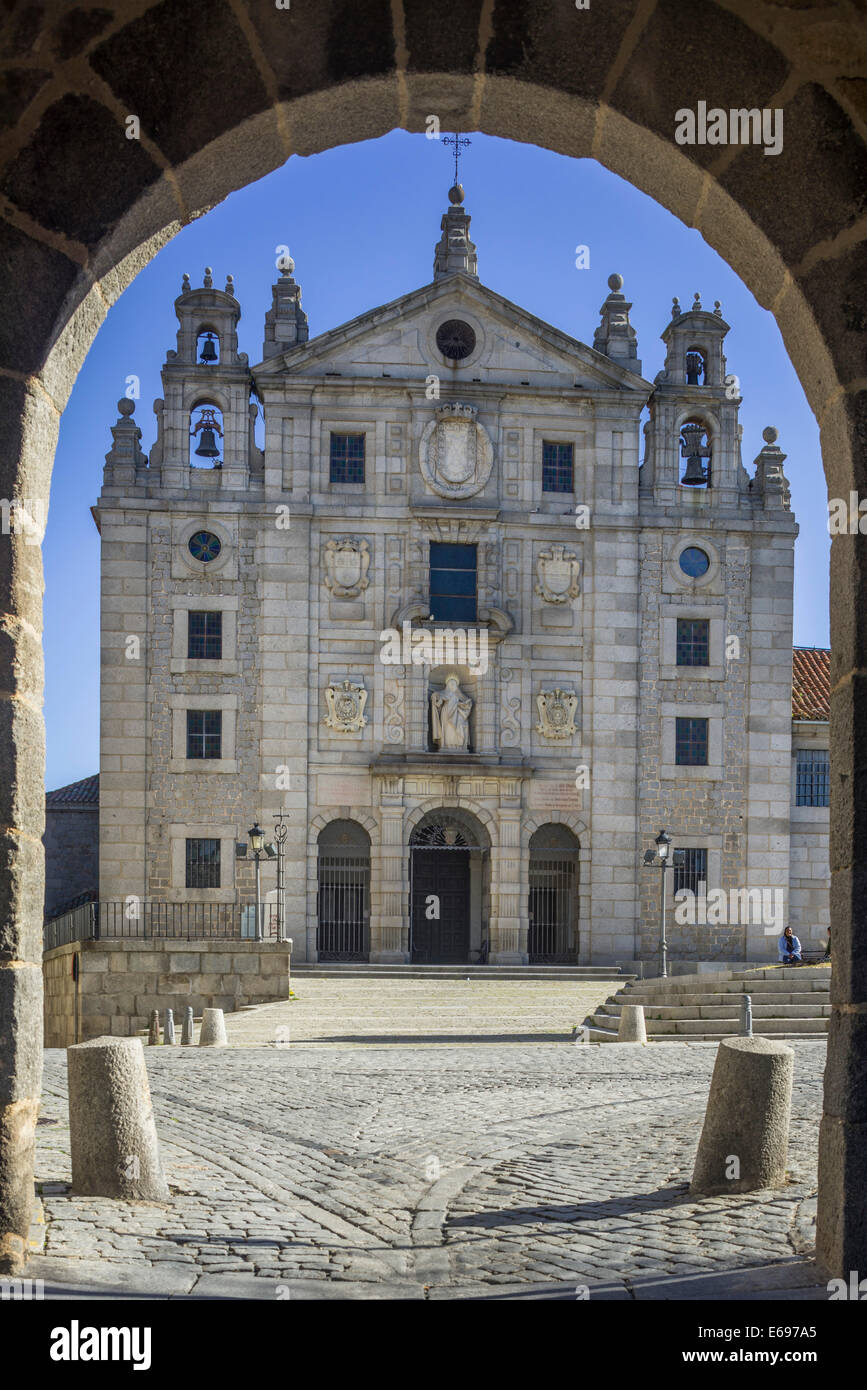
361,222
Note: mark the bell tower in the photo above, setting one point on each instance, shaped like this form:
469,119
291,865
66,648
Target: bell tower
205,419
693,455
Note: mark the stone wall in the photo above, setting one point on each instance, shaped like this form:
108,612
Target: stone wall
810,864
71,842
122,981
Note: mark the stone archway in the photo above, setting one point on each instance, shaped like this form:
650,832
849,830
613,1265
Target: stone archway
221,99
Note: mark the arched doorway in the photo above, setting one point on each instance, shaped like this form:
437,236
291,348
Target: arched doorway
552,906
448,860
343,892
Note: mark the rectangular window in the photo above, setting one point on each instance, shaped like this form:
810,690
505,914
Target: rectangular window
813,777
204,733
556,467
693,641
453,582
203,864
690,742
204,636
347,458
690,869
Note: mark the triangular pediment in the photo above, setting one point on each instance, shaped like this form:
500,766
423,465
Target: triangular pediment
398,340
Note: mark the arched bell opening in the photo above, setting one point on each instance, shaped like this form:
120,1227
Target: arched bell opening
207,347
206,435
449,854
343,892
552,909
696,366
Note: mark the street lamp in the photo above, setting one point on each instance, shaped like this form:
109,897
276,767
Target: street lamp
281,830
257,845
663,844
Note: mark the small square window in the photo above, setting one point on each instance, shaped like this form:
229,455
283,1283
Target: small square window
693,642
347,458
204,636
453,582
202,864
204,733
557,467
690,742
813,777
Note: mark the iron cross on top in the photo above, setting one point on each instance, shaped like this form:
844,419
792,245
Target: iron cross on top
457,142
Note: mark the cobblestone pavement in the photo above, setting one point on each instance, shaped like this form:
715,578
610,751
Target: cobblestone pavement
396,1170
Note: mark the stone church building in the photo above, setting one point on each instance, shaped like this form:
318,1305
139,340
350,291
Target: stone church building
467,625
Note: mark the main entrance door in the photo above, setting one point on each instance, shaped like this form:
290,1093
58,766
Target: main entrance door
440,906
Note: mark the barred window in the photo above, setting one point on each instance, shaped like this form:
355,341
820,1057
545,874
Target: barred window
693,641
347,458
557,467
690,742
204,733
204,636
453,582
203,864
813,777
690,869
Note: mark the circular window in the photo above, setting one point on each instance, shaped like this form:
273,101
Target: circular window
204,545
693,562
455,339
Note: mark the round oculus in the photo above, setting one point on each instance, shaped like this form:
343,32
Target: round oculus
204,546
694,562
455,339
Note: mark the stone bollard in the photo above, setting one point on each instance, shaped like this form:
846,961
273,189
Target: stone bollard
112,1134
213,1030
632,1029
169,1030
746,1016
154,1029
745,1137
187,1029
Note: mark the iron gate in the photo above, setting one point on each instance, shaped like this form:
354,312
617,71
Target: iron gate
551,907
344,882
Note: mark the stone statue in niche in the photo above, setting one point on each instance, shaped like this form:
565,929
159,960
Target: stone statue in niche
450,717
347,559
346,708
556,713
557,571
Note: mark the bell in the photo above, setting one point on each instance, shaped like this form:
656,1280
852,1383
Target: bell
207,445
209,352
694,365
694,476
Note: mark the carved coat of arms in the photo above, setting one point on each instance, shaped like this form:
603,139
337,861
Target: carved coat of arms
346,707
456,455
556,713
347,559
557,571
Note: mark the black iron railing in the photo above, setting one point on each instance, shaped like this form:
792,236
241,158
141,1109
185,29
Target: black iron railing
136,918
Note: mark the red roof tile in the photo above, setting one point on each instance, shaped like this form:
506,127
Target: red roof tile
811,683
83,793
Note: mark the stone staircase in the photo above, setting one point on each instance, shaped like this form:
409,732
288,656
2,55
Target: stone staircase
364,970
788,1002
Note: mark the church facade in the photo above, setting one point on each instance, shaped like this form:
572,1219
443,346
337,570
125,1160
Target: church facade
463,625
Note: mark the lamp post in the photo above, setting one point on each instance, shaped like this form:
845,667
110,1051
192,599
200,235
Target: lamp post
281,830
257,845
663,844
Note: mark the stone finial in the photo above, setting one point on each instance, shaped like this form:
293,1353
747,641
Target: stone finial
454,250
717,308
696,302
770,481
230,286
770,435
186,287
615,337
675,308
125,455
285,321
208,282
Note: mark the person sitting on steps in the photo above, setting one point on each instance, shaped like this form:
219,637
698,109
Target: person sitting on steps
789,948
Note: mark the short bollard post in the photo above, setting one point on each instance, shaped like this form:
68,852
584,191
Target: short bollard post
745,1138
112,1133
154,1029
746,1016
169,1030
632,1028
213,1030
187,1029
